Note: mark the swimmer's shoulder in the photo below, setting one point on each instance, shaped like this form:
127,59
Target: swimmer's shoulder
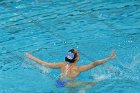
63,64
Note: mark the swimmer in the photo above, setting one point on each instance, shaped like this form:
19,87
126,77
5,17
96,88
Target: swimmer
69,69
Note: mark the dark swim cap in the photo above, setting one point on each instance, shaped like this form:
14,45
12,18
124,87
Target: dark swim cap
70,57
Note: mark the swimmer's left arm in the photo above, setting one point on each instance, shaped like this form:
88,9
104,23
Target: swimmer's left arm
47,64
98,62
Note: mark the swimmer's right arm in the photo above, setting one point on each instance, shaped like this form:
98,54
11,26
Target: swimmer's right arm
50,65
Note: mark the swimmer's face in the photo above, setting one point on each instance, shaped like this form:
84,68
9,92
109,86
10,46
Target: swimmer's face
78,55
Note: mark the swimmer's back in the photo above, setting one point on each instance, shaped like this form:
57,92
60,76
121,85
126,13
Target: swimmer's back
71,71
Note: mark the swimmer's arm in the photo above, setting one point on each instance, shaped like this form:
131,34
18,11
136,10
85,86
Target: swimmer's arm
47,64
96,63
92,65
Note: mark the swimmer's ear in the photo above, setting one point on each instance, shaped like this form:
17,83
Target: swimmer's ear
77,58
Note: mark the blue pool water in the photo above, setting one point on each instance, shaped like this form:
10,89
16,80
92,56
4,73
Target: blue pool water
49,28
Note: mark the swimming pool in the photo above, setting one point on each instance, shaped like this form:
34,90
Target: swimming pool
49,28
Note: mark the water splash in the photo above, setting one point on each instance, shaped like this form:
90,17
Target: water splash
31,64
119,71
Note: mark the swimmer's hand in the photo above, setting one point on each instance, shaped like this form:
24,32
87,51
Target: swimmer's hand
112,55
28,55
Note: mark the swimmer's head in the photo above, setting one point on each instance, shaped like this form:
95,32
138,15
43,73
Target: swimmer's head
72,56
